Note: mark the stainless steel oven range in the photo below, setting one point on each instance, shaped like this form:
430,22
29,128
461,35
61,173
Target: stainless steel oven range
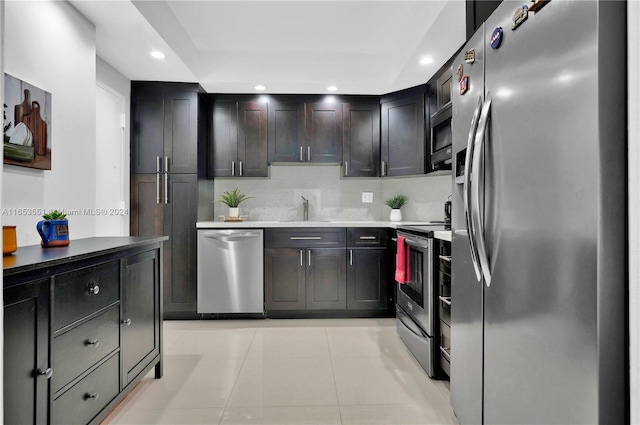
415,299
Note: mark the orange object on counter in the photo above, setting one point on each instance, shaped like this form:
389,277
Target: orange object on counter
9,240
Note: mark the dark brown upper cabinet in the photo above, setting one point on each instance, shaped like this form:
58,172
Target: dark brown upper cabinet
239,147
403,133
286,132
323,122
361,140
165,128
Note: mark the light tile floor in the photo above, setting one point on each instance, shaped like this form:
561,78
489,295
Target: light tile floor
334,371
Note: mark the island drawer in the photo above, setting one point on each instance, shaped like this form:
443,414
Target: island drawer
84,291
358,237
77,350
82,402
318,237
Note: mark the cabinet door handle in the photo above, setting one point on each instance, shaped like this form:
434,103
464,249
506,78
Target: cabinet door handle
91,396
346,168
158,171
158,195
384,168
301,259
126,322
308,153
94,288
309,256
166,164
233,168
240,162
166,188
47,373
301,159
351,257
93,342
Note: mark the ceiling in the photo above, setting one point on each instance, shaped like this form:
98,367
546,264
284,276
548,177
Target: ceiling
359,46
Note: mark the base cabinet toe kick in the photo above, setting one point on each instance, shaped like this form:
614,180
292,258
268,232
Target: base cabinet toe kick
82,326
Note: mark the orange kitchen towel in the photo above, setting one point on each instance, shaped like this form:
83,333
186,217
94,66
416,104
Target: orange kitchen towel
402,261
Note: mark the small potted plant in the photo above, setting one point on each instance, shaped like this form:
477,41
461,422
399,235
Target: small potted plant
232,200
54,229
395,204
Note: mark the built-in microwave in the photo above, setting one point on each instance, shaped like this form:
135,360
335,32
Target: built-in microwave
440,121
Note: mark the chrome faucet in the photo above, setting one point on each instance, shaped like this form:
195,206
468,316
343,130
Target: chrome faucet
305,208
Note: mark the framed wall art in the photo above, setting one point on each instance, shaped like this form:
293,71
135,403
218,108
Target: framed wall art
27,124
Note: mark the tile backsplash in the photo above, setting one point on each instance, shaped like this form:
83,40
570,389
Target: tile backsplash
279,197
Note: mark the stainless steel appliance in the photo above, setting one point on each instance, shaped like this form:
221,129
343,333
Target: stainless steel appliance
538,263
415,299
230,271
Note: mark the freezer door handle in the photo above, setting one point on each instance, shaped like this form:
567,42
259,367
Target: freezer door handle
467,190
476,216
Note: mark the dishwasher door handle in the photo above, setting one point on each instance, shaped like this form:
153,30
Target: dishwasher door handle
231,237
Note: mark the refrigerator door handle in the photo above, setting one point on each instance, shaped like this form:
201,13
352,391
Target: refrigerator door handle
467,190
476,216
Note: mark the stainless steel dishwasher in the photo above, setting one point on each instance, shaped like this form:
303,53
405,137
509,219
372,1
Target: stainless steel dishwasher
230,271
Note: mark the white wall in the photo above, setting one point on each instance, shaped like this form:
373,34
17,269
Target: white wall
51,45
633,47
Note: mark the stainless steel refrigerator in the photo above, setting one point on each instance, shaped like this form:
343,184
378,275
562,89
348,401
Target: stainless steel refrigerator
539,312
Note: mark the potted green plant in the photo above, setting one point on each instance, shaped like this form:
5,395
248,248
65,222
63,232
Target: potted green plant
395,204
54,229
233,200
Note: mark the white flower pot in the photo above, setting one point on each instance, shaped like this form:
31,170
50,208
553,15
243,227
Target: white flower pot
396,215
234,212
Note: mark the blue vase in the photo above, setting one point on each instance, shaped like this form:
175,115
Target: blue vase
53,232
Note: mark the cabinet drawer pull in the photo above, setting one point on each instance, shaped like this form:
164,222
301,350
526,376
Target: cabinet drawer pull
126,322
93,342
309,255
367,238
48,373
91,396
94,288
305,238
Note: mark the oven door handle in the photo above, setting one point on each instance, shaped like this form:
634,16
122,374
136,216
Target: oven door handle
424,246
408,323
475,260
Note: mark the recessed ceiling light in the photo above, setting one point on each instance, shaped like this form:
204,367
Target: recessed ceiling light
260,87
426,60
157,54
332,88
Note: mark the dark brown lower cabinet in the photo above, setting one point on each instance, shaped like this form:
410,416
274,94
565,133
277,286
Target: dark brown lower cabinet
284,279
367,278
26,353
82,327
312,272
325,279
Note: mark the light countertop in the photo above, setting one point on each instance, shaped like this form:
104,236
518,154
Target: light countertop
444,235
282,224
